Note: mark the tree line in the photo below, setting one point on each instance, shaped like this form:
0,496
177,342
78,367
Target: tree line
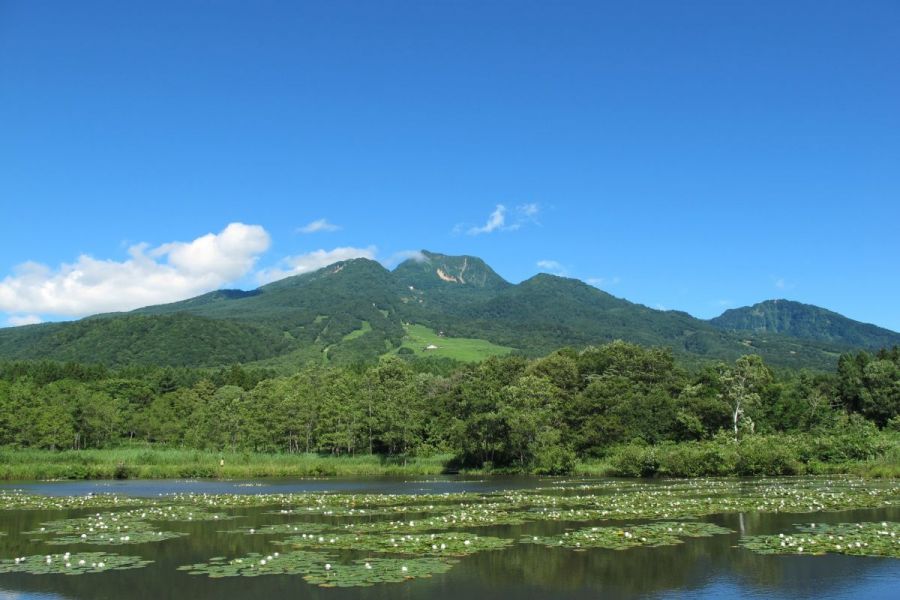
539,414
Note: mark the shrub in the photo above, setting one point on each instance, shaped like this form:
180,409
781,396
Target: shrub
766,456
635,461
696,459
122,471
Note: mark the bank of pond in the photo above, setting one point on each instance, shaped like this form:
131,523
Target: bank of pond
855,450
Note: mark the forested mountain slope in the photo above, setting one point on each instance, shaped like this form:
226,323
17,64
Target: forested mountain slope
807,322
356,311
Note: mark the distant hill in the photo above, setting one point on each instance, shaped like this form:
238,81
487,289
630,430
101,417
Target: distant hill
356,311
805,321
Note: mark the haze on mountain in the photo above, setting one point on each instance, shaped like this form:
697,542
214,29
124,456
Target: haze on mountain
357,310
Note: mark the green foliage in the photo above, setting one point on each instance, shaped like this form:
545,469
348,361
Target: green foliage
78,563
634,407
760,456
176,339
322,569
423,544
635,461
666,533
857,539
805,321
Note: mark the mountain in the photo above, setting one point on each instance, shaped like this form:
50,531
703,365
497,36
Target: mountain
805,321
357,310
433,271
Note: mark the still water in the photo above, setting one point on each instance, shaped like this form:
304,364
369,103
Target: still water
710,567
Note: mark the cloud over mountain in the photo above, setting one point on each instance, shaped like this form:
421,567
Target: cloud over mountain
150,275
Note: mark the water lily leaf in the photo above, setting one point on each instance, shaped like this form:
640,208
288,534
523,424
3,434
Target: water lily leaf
859,539
422,544
77,563
628,536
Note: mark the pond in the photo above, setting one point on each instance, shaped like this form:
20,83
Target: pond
451,537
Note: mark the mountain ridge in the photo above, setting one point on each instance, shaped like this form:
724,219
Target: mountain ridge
357,310
805,321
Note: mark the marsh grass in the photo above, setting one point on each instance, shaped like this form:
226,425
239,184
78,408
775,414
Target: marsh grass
874,457
164,463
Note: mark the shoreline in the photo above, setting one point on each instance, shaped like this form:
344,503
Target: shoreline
163,463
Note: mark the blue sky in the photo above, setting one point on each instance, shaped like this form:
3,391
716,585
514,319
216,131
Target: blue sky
685,155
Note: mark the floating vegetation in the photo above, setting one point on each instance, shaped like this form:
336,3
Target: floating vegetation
78,563
352,511
283,528
175,513
434,544
108,529
320,503
321,569
860,539
18,500
368,572
476,516
586,501
630,536
409,536
299,562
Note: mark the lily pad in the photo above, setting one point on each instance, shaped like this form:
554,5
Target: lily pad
78,563
254,564
321,569
368,572
423,544
859,539
106,529
629,536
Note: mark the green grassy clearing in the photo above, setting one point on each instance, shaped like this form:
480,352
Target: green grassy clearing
419,337
366,328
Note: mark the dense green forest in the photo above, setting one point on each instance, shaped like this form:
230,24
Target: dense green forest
511,412
804,321
358,311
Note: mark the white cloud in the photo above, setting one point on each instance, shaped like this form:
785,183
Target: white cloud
496,220
311,261
317,226
398,257
16,320
502,219
551,266
529,210
166,273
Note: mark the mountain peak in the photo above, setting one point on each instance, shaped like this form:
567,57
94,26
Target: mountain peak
805,321
431,269
345,267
